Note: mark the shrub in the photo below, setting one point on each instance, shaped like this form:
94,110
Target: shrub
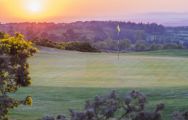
80,46
155,47
14,51
180,116
172,46
140,46
76,46
132,106
125,44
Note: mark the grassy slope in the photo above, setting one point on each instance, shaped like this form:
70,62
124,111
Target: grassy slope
63,80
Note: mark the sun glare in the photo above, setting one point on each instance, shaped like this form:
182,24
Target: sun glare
34,6
34,10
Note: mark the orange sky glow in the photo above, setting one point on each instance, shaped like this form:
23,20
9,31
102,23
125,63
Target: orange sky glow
73,10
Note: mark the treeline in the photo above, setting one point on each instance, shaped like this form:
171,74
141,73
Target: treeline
82,31
127,46
73,46
109,45
103,34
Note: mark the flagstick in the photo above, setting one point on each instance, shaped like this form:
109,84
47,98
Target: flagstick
118,31
118,46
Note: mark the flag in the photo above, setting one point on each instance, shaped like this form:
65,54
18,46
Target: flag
118,28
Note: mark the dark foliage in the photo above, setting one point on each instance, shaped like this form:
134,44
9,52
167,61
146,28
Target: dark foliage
79,46
74,46
180,116
115,107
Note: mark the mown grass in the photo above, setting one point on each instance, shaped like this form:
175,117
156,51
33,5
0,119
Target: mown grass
169,52
63,80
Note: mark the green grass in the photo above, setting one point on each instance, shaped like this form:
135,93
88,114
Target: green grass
171,52
63,80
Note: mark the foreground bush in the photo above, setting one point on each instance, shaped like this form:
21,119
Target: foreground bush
132,106
14,52
180,116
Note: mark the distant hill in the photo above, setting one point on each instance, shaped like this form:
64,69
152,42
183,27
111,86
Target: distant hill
92,30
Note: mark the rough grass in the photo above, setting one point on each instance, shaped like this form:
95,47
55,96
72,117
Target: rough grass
63,80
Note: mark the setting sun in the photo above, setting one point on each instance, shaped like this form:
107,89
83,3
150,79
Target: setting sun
34,6
33,10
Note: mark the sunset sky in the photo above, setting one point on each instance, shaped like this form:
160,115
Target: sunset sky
73,10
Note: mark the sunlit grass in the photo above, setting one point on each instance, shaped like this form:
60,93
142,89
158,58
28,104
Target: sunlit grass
63,80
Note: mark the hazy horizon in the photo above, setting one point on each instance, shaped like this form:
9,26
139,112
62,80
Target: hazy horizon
166,12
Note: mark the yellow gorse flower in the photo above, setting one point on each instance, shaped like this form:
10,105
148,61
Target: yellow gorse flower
29,101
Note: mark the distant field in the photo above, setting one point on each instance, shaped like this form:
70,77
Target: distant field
63,79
